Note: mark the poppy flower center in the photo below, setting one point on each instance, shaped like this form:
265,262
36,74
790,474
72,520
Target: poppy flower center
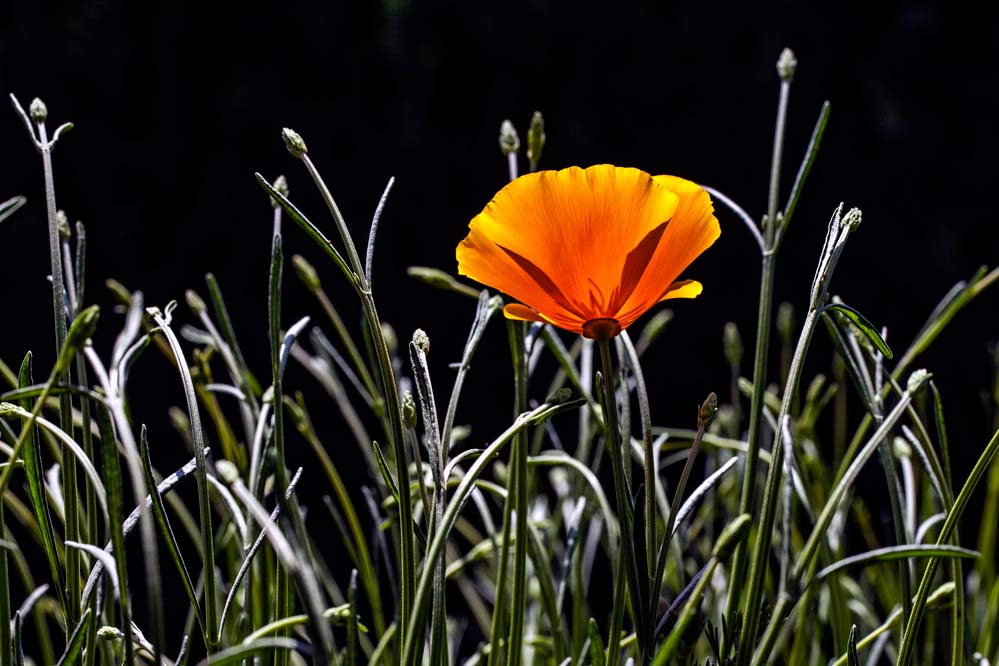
601,329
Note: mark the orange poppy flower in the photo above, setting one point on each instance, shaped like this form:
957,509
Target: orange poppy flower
589,250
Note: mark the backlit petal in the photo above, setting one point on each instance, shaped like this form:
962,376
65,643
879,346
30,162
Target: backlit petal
683,289
692,229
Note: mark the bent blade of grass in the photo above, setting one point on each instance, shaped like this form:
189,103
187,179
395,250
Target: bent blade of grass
74,648
72,447
201,474
238,653
890,553
552,458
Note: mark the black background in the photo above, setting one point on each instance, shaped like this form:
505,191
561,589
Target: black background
177,104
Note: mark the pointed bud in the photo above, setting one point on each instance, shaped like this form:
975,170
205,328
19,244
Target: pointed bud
227,471
536,138
391,339
281,185
786,65
707,411
852,219
306,273
508,140
421,340
559,396
62,224
194,302
733,344
431,276
901,448
916,380
38,111
294,142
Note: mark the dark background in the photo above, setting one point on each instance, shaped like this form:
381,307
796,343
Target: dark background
177,104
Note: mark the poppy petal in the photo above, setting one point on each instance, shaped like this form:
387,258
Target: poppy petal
691,230
520,312
683,289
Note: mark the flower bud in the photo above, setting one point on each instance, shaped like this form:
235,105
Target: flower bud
194,302
421,340
294,143
852,219
306,273
38,111
391,339
227,471
733,344
535,138
786,65
62,224
281,185
707,411
508,140
916,380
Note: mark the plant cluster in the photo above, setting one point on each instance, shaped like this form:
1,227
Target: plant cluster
568,538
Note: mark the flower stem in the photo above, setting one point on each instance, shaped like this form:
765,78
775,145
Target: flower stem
518,473
747,498
623,496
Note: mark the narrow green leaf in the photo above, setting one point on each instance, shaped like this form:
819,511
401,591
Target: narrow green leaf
596,644
310,229
35,471
351,659
74,649
386,474
891,553
237,654
866,327
851,650
18,652
112,480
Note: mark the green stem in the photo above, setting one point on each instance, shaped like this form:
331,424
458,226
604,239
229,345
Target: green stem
747,498
622,493
519,472
758,565
72,517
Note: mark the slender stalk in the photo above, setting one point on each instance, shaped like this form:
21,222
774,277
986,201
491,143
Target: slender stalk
519,472
71,515
771,237
296,146
612,435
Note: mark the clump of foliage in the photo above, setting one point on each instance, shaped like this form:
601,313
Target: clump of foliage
558,542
